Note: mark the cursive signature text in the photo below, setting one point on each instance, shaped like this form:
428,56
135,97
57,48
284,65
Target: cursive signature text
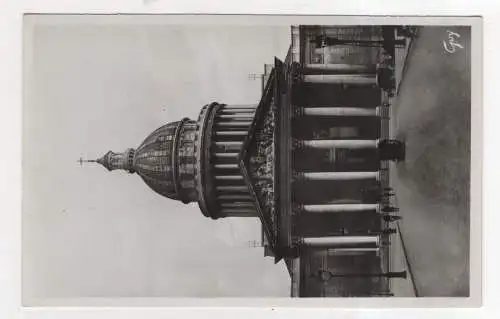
451,44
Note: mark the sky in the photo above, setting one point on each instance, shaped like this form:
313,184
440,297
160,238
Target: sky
90,87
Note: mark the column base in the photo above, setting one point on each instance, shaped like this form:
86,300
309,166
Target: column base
391,218
385,79
392,150
389,209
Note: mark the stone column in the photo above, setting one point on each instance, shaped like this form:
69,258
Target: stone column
234,197
231,133
347,79
236,117
226,155
229,177
234,124
233,146
229,143
342,242
338,69
338,111
388,150
231,188
338,208
226,166
351,144
336,176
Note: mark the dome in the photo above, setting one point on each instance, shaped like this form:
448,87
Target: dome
164,160
196,161
153,160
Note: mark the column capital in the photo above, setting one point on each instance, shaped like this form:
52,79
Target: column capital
297,111
297,176
391,150
297,144
297,208
384,241
297,75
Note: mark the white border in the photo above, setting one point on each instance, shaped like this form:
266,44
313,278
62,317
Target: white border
10,101
475,234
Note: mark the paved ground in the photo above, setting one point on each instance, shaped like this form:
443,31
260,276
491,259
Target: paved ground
432,115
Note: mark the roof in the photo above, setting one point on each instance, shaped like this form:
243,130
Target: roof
270,203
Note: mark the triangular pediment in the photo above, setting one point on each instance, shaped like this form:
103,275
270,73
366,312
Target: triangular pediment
256,160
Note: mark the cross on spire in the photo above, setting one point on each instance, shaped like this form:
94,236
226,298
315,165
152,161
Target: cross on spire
254,76
81,161
254,243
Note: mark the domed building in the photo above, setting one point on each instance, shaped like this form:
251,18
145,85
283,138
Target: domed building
195,160
309,160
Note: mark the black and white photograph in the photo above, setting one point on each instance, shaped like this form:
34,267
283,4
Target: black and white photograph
210,157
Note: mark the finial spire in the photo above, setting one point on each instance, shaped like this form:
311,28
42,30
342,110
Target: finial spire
112,160
81,161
